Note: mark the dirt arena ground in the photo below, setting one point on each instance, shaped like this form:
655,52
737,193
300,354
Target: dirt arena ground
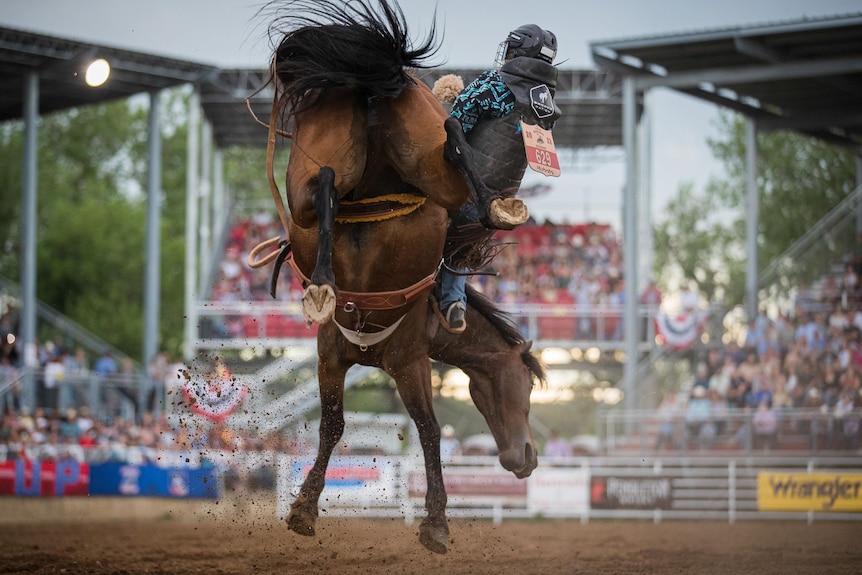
74,536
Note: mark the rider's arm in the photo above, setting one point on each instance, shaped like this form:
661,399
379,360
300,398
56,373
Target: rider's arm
487,94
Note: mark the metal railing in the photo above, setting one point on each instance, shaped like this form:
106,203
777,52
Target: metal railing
646,488
827,231
800,430
280,324
115,395
62,324
654,488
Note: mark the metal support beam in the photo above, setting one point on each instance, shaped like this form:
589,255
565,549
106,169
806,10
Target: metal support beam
858,205
220,201
630,243
27,344
757,49
645,215
152,280
752,218
191,293
811,120
757,73
206,226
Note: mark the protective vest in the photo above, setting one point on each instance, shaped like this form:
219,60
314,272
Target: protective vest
498,147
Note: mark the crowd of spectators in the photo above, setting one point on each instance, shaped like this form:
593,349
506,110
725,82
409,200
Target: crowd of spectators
573,265
794,378
129,422
808,359
76,434
63,376
540,263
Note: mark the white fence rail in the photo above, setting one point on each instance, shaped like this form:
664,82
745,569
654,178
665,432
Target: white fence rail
646,488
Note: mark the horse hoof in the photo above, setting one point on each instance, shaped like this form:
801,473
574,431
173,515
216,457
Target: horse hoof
318,303
301,522
507,213
434,537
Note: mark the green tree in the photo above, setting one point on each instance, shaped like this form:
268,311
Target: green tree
800,179
690,243
702,236
92,216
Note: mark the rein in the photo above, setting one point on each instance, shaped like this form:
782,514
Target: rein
270,164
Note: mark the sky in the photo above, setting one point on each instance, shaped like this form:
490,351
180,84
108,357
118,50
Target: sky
229,33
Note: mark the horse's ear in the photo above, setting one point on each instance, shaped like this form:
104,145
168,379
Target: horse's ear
525,346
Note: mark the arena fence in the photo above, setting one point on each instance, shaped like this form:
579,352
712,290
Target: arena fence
801,431
644,488
235,325
585,488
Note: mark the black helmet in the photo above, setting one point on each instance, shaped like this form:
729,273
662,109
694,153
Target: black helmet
531,41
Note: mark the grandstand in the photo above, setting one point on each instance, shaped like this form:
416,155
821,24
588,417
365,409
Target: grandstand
540,271
568,287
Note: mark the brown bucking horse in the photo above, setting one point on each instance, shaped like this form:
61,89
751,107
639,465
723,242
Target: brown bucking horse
374,167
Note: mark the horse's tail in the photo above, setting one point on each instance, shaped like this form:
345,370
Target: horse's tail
345,43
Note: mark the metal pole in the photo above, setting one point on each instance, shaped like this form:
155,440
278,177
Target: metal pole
630,245
206,247
859,204
220,203
752,219
152,281
192,200
645,184
27,345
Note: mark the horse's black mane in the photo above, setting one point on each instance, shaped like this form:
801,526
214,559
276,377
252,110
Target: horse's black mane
502,322
322,44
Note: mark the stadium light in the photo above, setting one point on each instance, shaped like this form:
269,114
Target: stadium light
97,72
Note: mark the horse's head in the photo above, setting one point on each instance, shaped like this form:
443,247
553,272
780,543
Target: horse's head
501,391
502,371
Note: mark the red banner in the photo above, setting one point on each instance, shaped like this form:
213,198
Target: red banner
44,478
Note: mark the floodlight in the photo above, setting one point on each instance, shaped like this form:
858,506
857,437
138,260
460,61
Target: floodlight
97,72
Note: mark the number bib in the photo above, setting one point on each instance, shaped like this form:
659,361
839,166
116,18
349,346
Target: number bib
541,151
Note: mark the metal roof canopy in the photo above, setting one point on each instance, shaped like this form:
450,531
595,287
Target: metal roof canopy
44,74
60,64
590,100
803,75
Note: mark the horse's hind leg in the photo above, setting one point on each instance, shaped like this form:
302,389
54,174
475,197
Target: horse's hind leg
413,381
304,510
318,300
495,212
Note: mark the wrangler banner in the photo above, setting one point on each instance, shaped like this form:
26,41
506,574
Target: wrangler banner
836,492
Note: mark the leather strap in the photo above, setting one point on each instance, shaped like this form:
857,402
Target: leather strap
382,300
363,339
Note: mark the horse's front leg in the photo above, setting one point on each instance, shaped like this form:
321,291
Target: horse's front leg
318,300
495,211
304,511
414,385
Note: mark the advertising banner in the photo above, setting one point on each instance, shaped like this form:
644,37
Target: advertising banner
352,481
44,478
474,482
152,481
828,492
645,492
560,490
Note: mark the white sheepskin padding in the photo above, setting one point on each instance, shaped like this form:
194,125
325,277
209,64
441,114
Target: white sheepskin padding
447,88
